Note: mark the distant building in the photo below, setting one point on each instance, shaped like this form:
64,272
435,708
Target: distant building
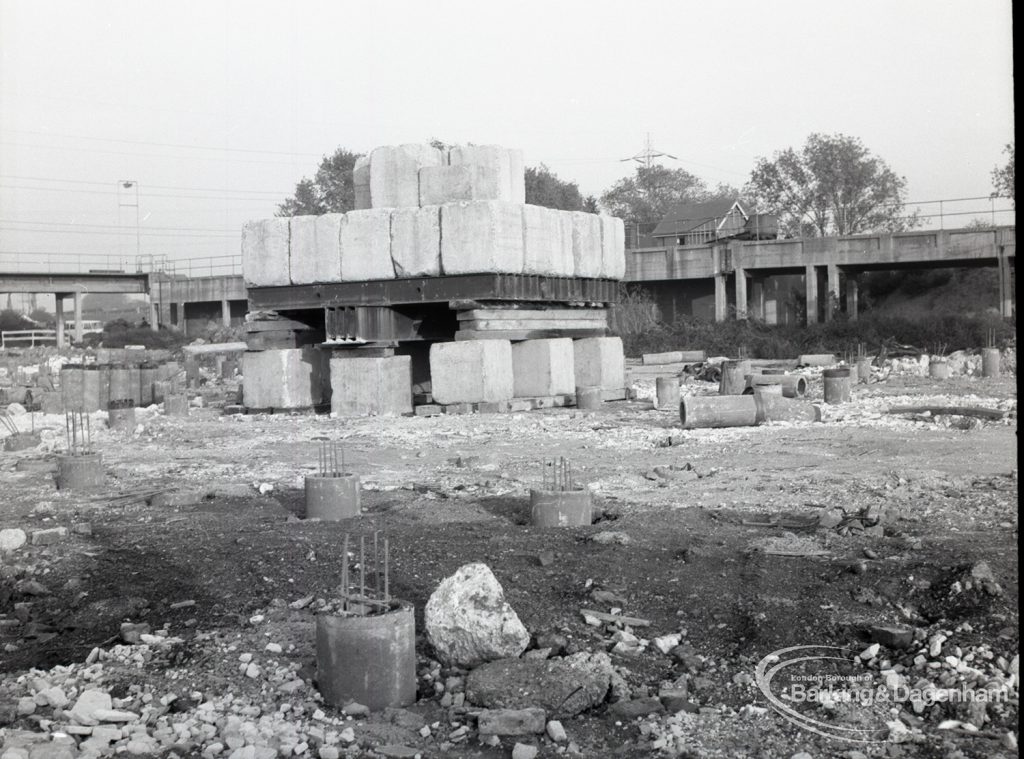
704,223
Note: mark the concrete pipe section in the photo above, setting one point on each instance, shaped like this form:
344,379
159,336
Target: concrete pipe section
588,398
667,392
793,385
332,497
775,408
990,362
709,411
561,508
836,385
369,659
80,472
938,369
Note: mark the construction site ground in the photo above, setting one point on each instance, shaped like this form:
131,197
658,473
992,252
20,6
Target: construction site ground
713,534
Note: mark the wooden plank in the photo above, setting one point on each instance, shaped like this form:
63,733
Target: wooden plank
616,618
527,334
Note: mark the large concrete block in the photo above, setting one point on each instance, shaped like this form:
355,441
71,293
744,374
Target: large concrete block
482,236
361,182
613,247
599,362
284,378
394,174
587,252
507,163
365,242
371,386
416,241
315,248
447,184
547,241
265,252
543,368
474,371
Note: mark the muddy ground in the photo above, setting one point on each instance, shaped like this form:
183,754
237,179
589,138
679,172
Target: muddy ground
706,517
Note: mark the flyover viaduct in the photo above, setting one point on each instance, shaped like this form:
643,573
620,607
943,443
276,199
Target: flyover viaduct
739,272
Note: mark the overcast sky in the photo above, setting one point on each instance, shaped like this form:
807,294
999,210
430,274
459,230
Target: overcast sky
215,108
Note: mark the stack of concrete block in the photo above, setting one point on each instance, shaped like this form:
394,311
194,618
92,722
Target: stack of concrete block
371,386
289,378
427,212
543,368
475,371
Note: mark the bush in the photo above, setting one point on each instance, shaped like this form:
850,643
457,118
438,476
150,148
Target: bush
119,333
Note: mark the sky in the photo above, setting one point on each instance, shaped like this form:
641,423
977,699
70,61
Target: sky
214,109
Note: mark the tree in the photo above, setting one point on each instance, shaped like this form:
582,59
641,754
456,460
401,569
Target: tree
1002,178
544,188
834,185
329,191
647,196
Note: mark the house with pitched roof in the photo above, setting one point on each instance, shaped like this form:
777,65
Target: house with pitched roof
704,223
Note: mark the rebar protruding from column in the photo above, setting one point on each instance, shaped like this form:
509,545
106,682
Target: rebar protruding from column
332,458
370,597
78,429
557,474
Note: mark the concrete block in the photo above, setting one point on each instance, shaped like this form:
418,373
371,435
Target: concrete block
371,386
361,182
587,252
473,371
507,163
429,409
481,236
283,378
265,252
365,242
547,241
543,367
599,362
416,241
394,174
315,248
613,247
447,184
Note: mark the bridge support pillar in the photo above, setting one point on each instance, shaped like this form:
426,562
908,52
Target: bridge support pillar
59,312
181,317
154,315
225,312
832,302
852,289
78,316
811,290
741,293
721,301
1005,288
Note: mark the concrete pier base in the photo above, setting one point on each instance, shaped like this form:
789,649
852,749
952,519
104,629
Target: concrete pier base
599,361
362,386
283,378
543,368
472,371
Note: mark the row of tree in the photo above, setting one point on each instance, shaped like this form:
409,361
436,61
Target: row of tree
832,185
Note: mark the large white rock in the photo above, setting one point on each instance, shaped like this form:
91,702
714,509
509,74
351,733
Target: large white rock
265,252
587,252
416,241
361,182
469,622
365,243
482,236
547,241
315,248
543,367
447,184
613,247
507,163
394,174
12,539
600,362
472,371
88,703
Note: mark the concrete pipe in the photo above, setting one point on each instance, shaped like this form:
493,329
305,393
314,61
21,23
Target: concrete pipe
667,392
793,385
561,508
176,405
332,498
147,374
588,398
734,377
775,408
701,412
990,359
938,369
864,370
71,389
368,659
84,472
836,385
817,359
120,389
